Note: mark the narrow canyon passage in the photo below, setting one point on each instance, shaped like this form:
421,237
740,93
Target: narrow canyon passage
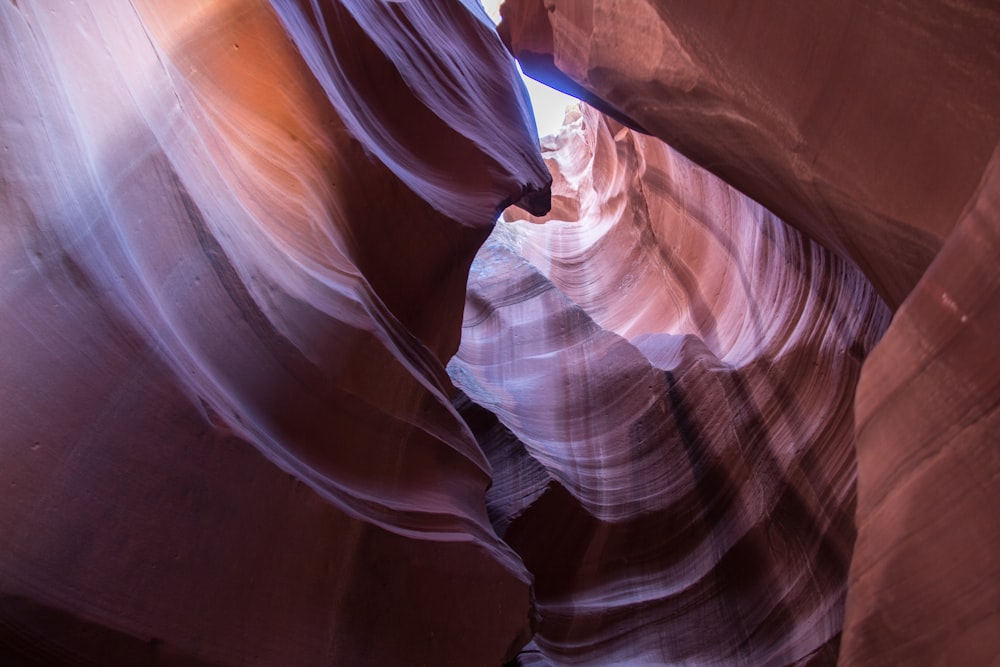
673,369
719,388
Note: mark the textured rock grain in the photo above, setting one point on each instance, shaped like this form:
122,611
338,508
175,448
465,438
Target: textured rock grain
673,374
864,124
238,242
870,126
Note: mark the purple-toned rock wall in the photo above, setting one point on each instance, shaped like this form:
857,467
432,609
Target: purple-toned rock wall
721,389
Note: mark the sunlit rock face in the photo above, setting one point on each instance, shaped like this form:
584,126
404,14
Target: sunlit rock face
870,126
235,243
864,124
673,369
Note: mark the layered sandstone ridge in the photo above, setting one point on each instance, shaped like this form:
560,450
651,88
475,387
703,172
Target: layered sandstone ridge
865,124
870,126
241,284
235,245
673,369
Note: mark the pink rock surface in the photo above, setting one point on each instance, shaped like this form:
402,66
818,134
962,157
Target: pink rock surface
864,124
673,375
925,579
235,244
868,125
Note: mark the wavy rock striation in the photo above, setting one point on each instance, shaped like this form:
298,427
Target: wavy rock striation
864,124
239,250
236,239
870,126
672,369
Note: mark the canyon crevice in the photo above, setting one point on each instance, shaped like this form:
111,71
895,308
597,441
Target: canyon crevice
721,386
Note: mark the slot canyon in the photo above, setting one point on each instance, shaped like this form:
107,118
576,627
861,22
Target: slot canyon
313,353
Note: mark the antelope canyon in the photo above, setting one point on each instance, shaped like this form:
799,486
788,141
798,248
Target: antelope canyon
314,354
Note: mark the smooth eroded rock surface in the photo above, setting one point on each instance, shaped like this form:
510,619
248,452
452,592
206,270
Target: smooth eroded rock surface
925,580
673,374
235,244
264,404
870,126
864,124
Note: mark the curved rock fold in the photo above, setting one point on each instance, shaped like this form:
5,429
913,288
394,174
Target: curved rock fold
227,417
278,389
679,477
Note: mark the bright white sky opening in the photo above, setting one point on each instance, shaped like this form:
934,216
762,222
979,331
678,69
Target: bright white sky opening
549,104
